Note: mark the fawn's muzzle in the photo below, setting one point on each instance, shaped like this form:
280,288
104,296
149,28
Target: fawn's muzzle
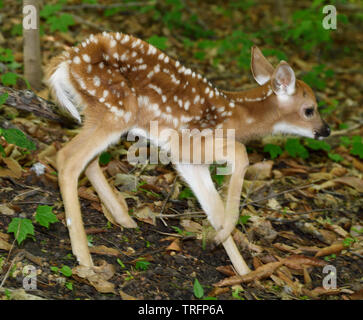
323,132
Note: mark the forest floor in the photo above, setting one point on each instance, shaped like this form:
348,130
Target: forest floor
301,218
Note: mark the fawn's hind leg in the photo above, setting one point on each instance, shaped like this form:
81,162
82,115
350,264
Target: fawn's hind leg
117,207
71,160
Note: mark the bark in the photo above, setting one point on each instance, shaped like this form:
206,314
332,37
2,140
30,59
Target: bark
32,54
28,101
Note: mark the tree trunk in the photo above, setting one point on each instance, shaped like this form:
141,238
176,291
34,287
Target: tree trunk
32,54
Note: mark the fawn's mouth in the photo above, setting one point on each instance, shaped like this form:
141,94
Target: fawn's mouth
323,132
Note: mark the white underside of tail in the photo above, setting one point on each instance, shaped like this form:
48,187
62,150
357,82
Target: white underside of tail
64,90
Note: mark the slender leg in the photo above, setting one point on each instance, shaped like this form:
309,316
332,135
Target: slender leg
118,208
240,164
71,160
199,179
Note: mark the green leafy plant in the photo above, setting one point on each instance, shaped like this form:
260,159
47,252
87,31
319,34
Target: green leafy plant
17,137
317,144
335,157
44,216
198,289
356,144
317,77
236,292
65,270
186,193
120,263
3,98
295,149
243,219
273,150
158,42
21,228
55,20
348,241
182,232
105,158
141,264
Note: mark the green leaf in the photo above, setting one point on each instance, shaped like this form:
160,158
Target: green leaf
158,42
345,141
357,149
273,150
9,79
142,264
105,158
335,157
49,10
21,228
120,263
198,289
3,98
69,285
6,55
66,271
186,193
44,216
61,23
111,12
2,151
343,126
317,144
244,219
17,137
54,269
295,149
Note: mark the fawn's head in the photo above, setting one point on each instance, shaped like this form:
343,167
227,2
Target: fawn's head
295,102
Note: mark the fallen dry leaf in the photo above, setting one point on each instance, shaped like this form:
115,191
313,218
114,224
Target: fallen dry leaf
260,170
174,246
337,229
321,291
88,194
334,248
14,167
125,296
353,182
227,270
262,272
145,214
4,209
4,245
298,262
104,250
97,279
243,242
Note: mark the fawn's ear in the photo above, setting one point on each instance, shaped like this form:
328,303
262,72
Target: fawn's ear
283,80
262,70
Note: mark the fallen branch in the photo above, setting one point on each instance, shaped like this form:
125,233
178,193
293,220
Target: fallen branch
27,100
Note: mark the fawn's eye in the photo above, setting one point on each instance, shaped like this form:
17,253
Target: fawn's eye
309,112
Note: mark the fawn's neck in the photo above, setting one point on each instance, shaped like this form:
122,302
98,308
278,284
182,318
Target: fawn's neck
256,112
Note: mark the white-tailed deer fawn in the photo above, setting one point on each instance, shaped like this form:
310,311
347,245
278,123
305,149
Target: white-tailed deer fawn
121,83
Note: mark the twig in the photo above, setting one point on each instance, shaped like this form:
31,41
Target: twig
161,215
281,193
18,257
97,6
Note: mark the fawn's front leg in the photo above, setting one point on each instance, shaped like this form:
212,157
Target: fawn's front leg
71,160
199,179
239,162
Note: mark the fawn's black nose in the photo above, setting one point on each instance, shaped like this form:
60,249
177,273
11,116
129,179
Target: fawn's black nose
323,132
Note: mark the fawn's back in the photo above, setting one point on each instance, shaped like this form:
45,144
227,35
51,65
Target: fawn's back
118,76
